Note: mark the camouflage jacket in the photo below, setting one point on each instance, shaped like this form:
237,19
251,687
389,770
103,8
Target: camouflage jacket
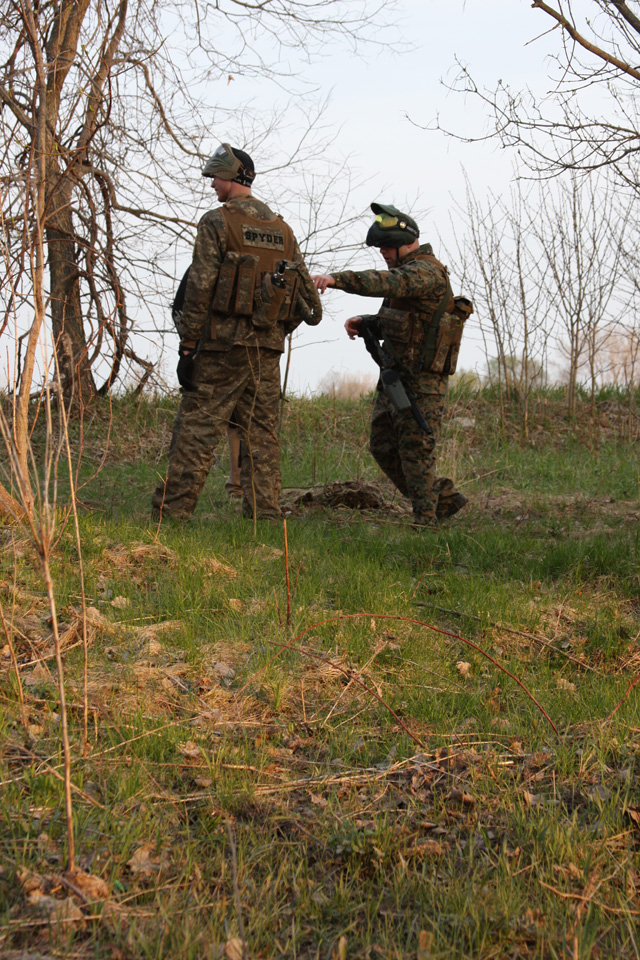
208,253
412,292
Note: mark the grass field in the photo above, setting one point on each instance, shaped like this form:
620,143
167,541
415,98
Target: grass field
360,741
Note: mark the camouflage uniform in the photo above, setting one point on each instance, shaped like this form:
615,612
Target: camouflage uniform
416,286
236,367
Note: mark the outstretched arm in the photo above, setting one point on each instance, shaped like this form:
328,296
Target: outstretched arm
322,281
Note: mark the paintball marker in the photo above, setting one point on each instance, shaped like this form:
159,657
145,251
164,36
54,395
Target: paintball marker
279,276
390,375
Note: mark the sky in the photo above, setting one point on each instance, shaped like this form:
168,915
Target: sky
379,103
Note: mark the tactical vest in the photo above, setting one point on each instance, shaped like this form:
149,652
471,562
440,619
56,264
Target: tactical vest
244,291
428,341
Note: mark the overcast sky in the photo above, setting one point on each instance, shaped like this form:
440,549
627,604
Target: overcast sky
377,103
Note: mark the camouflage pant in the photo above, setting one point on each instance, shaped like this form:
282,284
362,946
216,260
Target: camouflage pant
244,379
404,452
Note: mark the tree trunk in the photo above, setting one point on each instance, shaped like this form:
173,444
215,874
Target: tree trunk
78,385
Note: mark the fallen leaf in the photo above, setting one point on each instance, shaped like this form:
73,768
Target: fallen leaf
55,911
92,887
224,670
234,949
425,942
219,569
340,953
318,800
147,860
463,796
634,813
531,799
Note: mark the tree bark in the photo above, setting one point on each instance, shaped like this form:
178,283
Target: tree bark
76,377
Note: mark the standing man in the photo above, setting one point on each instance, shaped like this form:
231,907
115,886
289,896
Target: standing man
240,303
416,293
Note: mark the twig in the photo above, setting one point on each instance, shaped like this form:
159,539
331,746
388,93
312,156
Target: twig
49,769
420,623
352,677
519,633
622,699
286,567
367,664
14,661
236,890
620,911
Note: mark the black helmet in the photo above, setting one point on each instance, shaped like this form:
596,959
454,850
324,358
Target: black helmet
391,228
229,163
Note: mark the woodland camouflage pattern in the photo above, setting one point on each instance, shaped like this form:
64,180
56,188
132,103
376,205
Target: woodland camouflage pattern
238,370
404,453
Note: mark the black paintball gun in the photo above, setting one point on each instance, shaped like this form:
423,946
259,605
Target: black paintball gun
390,375
279,276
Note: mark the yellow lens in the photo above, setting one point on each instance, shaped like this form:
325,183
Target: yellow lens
386,221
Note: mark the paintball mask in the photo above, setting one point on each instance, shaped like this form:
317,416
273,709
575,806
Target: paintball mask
391,228
229,163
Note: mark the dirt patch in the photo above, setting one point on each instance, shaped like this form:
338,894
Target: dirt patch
349,494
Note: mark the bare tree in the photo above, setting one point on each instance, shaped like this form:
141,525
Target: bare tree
502,270
552,266
124,94
590,118
581,230
104,114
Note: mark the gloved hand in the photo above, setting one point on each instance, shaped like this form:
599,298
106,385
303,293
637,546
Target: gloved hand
185,366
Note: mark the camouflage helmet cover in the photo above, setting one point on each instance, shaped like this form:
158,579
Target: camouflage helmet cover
229,163
391,228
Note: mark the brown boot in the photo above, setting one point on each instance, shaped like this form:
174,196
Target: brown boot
450,500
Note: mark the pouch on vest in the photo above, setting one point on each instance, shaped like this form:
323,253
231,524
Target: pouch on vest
285,309
395,324
247,273
225,283
273,303
449,337
264,301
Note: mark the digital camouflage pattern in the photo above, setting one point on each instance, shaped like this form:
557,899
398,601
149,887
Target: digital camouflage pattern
401,449
238,369
244,379
208,253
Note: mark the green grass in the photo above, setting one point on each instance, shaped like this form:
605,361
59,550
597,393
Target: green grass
443,812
